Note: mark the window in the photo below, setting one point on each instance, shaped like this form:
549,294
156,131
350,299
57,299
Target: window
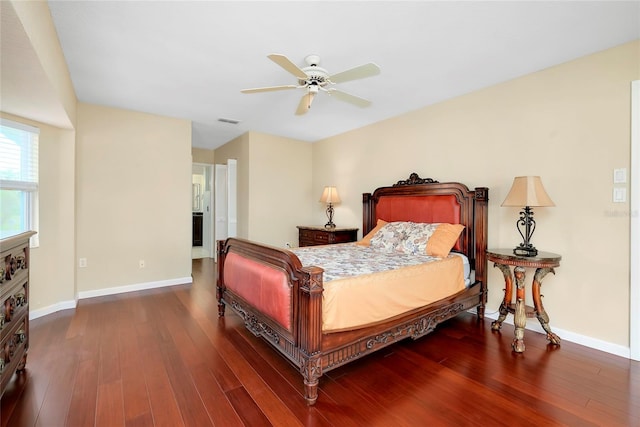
18,178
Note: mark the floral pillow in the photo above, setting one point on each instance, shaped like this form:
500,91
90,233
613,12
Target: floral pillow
417,238
404,237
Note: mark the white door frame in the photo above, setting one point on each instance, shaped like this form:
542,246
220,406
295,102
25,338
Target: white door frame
634,262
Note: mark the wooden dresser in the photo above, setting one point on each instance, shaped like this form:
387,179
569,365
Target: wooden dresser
14,305
319,235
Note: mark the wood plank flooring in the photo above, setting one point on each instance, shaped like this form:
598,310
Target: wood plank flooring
163,358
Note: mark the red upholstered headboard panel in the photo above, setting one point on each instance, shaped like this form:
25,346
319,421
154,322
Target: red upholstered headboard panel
426,208
442,208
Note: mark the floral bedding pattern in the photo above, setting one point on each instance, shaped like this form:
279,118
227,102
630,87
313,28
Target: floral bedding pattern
405,237
348,259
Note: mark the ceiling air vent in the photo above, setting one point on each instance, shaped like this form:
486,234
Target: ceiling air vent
231,121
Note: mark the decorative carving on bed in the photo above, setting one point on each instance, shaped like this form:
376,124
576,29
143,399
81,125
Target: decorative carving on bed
304,343
416,329
414,179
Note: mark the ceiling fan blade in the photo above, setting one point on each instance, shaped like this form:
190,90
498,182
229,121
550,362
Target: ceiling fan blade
359,72
347,97
269,88
305,103
286,63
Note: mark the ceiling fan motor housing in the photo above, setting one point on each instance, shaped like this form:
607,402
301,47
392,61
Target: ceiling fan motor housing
315,76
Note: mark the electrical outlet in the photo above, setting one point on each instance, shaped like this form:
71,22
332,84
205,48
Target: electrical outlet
82,262
141,263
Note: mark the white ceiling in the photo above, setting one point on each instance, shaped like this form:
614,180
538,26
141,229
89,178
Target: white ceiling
190,59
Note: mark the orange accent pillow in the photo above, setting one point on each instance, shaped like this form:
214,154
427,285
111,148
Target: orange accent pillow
366,240
443,239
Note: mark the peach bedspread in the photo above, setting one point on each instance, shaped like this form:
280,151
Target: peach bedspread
353,302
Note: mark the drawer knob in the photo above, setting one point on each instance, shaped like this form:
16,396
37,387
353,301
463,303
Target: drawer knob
21,299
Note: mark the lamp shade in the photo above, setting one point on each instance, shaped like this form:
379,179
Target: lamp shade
527,191
330,195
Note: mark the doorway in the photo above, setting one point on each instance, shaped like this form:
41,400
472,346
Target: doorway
202,214
226,211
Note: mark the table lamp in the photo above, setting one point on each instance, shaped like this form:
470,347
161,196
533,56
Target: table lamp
330,197
527,192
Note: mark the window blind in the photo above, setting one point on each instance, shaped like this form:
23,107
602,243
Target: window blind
18,156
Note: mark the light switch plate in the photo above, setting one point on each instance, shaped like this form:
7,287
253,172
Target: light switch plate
620,176
619,195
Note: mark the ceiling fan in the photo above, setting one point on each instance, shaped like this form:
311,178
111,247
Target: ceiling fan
313,79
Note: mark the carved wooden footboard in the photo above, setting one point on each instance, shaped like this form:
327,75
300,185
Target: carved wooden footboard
299,337
281,301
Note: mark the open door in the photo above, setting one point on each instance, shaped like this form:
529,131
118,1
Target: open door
201,206
220,218
226,217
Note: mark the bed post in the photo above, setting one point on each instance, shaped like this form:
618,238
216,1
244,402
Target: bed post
220,271
309,322
481,223
367,214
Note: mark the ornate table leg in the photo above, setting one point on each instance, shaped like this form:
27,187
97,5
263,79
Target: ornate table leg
541,314
520,315
508,286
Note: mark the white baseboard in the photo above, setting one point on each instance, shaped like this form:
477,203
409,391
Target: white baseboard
62,305
565,335
65,305
134,287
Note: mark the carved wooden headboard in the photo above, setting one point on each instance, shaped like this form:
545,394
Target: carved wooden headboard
427,200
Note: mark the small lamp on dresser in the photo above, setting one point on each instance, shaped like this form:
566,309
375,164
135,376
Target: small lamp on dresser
527,192
330,197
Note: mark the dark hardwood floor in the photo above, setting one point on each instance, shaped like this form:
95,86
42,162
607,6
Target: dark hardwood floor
163,357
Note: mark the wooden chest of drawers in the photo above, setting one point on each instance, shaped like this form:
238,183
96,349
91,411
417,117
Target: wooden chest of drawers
14,305
311,236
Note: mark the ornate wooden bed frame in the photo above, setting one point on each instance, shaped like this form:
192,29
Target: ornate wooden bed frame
300,337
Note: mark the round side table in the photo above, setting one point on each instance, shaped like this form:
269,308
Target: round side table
543,262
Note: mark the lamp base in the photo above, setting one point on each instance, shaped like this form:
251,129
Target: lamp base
330,224
525,251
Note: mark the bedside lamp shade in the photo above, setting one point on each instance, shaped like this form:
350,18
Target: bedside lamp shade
330,197
527,191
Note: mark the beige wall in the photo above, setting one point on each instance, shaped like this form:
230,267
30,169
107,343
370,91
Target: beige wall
201,155
570,124
133,197
274,182
280,188
38,25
